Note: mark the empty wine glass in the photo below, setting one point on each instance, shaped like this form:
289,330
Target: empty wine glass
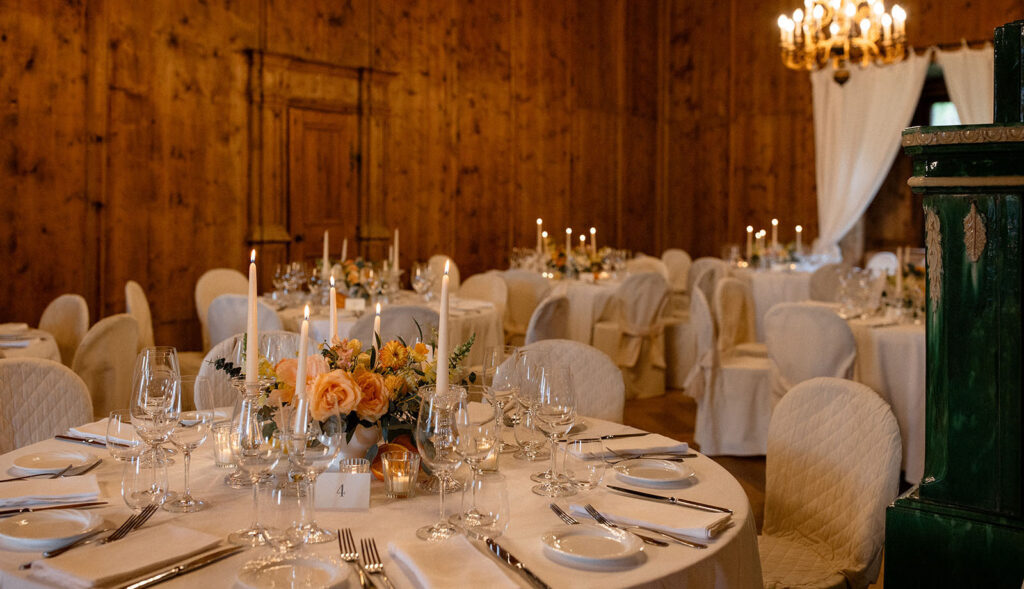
555,411
187,434
583,464
257,449
422,279
436,438
143,483
283,515
529,439
310,454
476,439
501,382
487,494
370,278
154,406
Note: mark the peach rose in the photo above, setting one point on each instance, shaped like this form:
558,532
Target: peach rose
375,395
393,355
334,393
287,371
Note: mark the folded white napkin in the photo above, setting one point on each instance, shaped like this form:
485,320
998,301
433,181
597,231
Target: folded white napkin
13,328
652,443
667,518
445,564
15,343
97,430
31,492
146,550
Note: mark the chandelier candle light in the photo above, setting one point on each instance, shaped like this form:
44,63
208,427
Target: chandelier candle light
302,410
251,354
842,31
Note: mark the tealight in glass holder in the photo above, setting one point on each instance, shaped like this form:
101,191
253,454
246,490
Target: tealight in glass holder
401,469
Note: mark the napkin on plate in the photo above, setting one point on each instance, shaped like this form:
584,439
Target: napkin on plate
667,518
144,551
32,492
97,430
651,444
431,565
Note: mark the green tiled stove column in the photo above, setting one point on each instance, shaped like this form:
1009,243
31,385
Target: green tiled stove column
963,526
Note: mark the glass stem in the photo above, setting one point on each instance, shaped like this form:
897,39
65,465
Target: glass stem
311,498
187,455
441,479
554,448
472,481
256,504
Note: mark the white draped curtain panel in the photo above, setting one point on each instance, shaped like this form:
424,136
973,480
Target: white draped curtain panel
857,129
969,75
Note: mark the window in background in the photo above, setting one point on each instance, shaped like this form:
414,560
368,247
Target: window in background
943,114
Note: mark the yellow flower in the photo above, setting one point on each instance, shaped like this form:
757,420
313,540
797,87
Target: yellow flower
394,355
419,352
394,384
355,345
363,359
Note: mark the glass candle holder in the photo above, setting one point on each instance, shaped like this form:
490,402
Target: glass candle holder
354,465
401,469
222,455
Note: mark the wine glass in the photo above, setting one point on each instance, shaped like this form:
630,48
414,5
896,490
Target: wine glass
529,438
501,382
143,483
154,407
436,438
370,278
476,438
555,411
187,434
488,493
310,453
580,466
257,449
283,527
422,279
279,282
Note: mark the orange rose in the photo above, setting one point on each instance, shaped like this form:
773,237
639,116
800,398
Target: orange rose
287,371
375,395
394,355
334,393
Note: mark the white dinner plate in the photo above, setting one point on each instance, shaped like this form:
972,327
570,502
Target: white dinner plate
42,462
46,530
293,571
652,471
592,546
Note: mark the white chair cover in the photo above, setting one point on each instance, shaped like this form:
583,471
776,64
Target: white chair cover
230,349
398,322
490,287
697,268
832,468
227,316
105,360
137,305
885,263
633,334
211,285
66,318
708,279
825,282
39,399
596,379
525,291
734,394
642,263
678,263
807,340
734,314
436,263
550,320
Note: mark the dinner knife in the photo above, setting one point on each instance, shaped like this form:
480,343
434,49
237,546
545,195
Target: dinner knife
185,567
91,504
609,437
672,500
506,558
87,441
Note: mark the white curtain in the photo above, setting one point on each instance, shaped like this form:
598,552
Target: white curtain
857,129
969,79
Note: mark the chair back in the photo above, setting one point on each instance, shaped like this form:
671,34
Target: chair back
734,314
274,345
884,262
397,322
39,399
825,282
211,285
525,291
832,467
639,303
228,314
708,279
550,320
703,326
600,390
807,340
436,263
697,268
642,263
490,287
678,263
137,305
66,318
105,360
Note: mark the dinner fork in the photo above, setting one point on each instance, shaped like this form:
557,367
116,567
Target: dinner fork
601,519
52,475
573,521
347,549
563,515
134,521
372,562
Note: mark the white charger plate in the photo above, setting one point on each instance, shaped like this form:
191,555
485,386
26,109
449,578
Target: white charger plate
652,471
592,546
55,461
46,530
293,571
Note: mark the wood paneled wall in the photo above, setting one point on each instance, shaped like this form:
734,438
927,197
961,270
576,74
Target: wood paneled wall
125,128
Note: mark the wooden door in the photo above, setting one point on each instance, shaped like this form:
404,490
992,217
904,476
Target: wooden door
323,181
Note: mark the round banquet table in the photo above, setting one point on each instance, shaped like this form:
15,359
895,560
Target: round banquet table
731,559
40,345
466,317
770,287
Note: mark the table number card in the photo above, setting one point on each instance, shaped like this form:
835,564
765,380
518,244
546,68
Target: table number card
355,304
343,491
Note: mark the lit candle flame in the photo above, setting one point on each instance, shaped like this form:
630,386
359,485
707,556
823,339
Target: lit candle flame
775,222
799,228
305,314
447,263
540,221
568,230
252,256
544,234
332,280
583,238
750,229
378,308
593,230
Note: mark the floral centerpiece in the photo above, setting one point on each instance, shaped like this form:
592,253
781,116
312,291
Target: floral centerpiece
913,295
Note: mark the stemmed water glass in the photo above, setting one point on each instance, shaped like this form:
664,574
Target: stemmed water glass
555,412
436,438
188,433
154,406
370,278
143,483
501,382
422,279
310,454
477,435
257,449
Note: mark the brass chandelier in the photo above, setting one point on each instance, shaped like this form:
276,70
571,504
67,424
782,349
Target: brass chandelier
842,31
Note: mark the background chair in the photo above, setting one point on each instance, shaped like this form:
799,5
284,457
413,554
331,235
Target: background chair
211,285
39,399
436,263
550,320
66,318
734,318
825,282
490,287
525,291
642,263
105,360
697,268
885,263
398,322
285,345
708,280
596,379
633,335
228,314
832,468
137,305
807,340
678,263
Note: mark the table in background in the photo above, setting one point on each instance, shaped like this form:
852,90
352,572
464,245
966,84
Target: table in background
41,345
771,287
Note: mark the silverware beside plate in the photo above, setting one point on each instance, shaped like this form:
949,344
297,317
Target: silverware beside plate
672,500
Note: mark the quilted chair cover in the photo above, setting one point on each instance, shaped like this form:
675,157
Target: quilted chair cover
525,291
733,394
708,279
597,381
825,282
211,285
105,360
678,263
224,393
734,317
137,305
884,262
807,340
642,263
227,316
634,335
66,318
833,466
698,267
398,322
490,287
39,399
436,263
550,320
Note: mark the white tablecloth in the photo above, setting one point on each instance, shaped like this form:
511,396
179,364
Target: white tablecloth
466,317
770,287
891,360
587,300
730,561
41,345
